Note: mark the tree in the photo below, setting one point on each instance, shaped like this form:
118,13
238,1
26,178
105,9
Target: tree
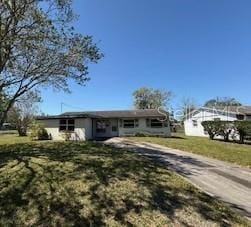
224,129
3,101
218,128
211,127
243,128
214,128
22,113
222,102
149,98
187,106
39,48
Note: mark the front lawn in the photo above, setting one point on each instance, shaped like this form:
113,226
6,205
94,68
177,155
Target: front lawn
230,152
90,184
13,138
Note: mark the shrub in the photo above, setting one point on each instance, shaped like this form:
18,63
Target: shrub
42,134
66,135
147,134
243,128
224,128
212,128
38,132
140,134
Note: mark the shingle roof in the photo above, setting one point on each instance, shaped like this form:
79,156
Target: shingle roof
245,110
110,114
235,109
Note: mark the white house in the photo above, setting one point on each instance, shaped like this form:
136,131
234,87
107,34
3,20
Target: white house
104,124
192,122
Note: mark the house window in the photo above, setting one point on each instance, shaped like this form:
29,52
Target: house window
240,117
67,125
155,123
114,128
101,126
195,123
130,123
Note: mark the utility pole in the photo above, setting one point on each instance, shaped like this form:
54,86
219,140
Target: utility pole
61,106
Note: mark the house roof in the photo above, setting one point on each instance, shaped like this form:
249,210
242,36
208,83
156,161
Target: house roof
236,109
109,114
243,110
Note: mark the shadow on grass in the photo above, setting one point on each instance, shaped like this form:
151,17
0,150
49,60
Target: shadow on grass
177,137
233,141
90,184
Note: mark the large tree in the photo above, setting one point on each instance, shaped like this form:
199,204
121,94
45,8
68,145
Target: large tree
38,47
222,102
149,98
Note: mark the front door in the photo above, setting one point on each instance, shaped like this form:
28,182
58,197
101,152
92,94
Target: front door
105,128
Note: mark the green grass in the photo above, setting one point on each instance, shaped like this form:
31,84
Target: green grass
90,184
13,138
230,152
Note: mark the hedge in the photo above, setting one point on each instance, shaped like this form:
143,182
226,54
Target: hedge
243,128
224,128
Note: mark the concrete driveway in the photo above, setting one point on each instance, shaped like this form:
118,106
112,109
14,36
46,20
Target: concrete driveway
229,183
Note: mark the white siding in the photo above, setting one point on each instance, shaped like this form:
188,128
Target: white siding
83,129
248,117
108,133
52,127
204,115
142,128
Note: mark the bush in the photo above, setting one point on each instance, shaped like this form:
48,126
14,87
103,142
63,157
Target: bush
212,128
42,134
38,132
244,129
225,128
147,134
216,128
66,136
140,134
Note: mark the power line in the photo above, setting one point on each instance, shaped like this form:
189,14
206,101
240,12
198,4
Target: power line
62,104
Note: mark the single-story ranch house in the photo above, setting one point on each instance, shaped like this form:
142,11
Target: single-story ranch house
192,122
104,124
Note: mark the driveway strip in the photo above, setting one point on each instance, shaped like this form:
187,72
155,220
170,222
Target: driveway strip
225,181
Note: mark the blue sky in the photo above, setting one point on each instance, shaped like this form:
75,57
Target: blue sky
198,49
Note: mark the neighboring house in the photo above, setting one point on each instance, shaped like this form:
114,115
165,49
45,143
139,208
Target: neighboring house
104,124
192,122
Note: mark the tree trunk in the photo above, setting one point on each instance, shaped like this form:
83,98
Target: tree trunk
4,113
3,117
22,131
226,137
241,138
211,136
